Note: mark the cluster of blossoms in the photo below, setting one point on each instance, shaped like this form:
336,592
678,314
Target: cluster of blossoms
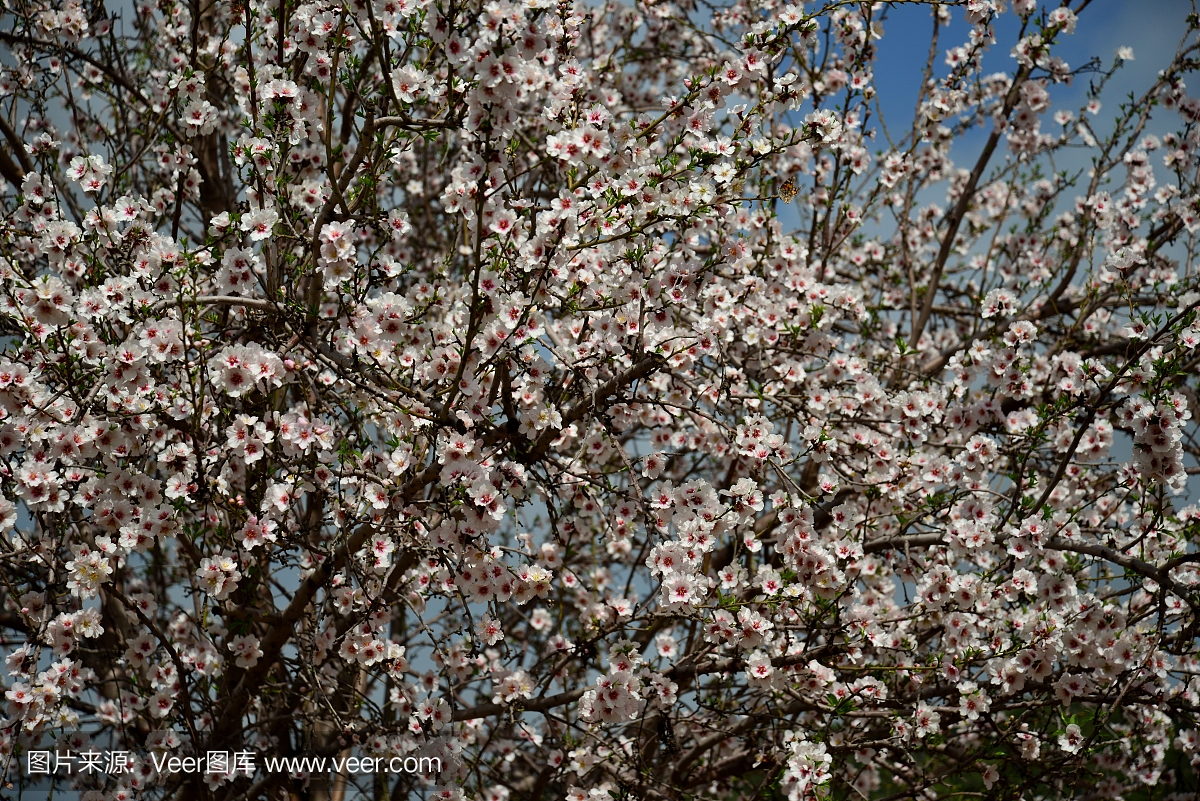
594,400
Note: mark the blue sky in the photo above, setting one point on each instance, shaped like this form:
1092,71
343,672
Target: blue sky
1153,29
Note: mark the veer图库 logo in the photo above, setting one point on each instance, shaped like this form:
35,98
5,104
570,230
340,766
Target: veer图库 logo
222,763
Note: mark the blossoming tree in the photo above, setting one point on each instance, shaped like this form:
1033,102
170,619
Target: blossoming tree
598,401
